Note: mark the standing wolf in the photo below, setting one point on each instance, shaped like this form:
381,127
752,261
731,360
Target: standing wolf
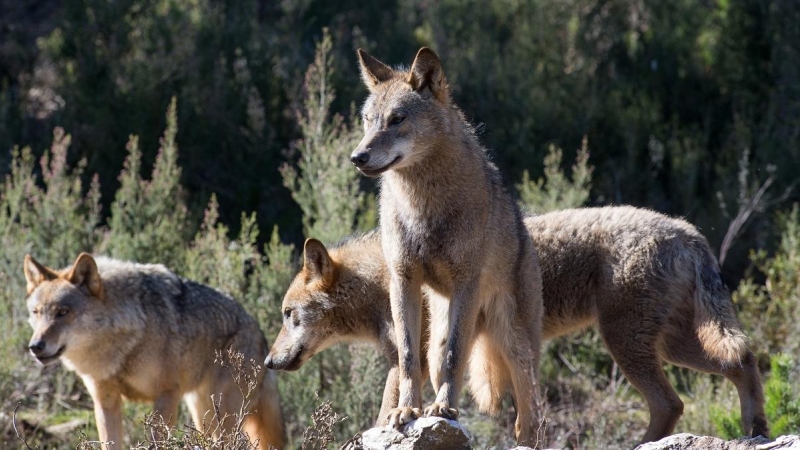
448,223
648,281
140,331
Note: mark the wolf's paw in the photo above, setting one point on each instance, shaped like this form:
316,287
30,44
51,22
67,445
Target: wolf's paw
441,410
403,415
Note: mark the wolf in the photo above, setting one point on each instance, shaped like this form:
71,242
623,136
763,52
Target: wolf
650,284
140,332
447,223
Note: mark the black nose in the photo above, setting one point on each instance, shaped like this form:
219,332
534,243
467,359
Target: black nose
268,362
359,159
37,347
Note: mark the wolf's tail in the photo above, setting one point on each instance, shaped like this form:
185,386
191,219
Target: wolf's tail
489,378
265,422
715,318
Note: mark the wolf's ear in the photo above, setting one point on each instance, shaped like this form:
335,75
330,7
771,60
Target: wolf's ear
317,261
35,273
427,75
84,273
373,72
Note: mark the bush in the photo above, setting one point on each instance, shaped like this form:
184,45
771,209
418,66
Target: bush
149,218
769,310
556,190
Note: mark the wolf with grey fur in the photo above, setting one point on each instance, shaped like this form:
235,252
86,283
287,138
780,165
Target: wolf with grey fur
141,332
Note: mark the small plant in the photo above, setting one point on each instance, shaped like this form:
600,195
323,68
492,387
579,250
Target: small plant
320,433
727,422
556,190
781,403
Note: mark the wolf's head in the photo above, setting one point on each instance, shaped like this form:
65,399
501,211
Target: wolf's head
404,114
57,301
308,323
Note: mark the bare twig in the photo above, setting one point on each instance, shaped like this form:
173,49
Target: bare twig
14,424
745,211
748,203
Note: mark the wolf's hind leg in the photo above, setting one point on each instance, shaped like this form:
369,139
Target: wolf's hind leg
633,347
519,360
684,349
438,307
201,408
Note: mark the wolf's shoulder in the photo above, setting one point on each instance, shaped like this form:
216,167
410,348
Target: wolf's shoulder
121,273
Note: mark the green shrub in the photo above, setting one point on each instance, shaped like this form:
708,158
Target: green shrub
782,404
149,218
769,311
556,190
325,185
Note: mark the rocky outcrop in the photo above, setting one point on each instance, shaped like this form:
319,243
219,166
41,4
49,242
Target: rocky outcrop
427,433
435,433
686,441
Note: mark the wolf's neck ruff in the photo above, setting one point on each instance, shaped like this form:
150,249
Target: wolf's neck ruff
433,189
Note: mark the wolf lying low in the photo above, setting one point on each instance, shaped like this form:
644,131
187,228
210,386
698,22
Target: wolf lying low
648,281
140,331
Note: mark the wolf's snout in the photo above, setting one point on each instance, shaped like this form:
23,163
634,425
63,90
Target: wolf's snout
359,158
37,347
269,363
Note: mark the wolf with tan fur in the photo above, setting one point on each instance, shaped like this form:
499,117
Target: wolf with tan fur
649,282
448,224
140,332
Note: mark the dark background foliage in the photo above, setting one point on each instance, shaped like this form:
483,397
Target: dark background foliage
669,94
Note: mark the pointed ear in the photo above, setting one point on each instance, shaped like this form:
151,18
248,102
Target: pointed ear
84,273
426,74
317,262
373,72
35,273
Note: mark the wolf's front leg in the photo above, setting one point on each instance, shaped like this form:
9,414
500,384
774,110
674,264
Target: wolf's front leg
107,413
406,299
461,318
166,406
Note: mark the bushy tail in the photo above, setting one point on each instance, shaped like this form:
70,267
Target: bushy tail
489,378
265,422
715,318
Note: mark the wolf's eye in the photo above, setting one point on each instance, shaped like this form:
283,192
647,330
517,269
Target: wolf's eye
35,312
397,120
287,313
62,312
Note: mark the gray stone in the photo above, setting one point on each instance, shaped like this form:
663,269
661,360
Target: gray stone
427,433
686,441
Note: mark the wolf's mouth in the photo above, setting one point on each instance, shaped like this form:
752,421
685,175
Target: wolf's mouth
376,172
46,360
296,362
284,363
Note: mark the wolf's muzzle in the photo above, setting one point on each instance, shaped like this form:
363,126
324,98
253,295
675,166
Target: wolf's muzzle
359,158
